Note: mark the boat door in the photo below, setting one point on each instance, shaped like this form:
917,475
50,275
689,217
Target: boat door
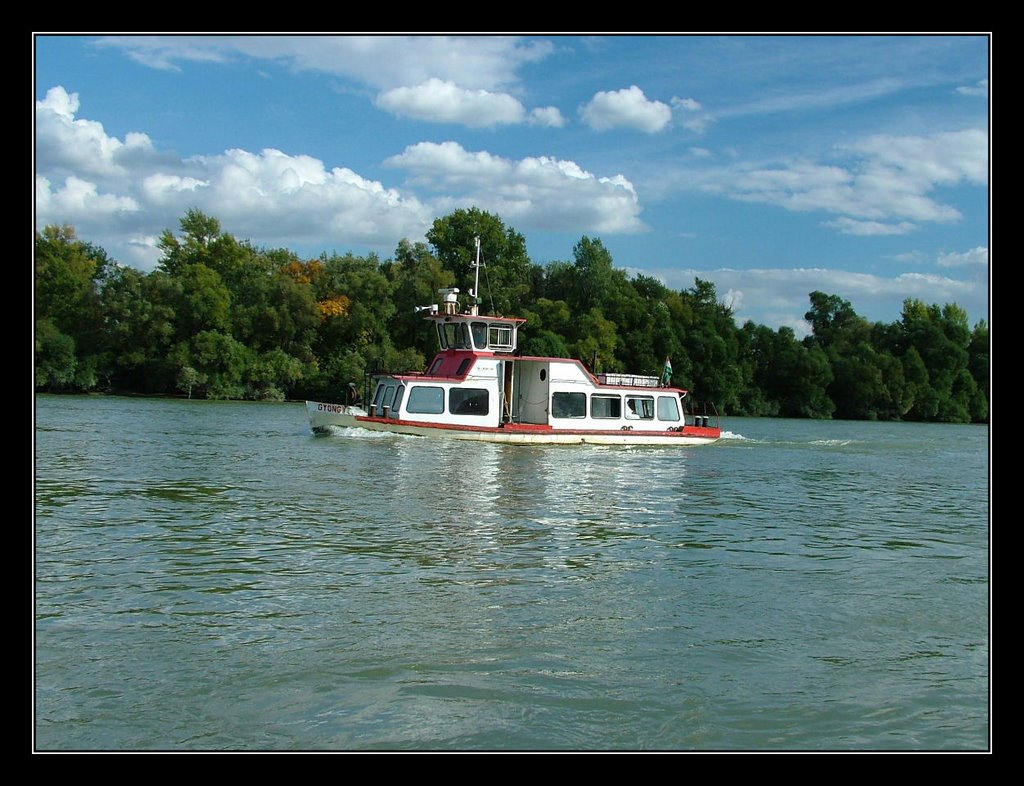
531,383
507,389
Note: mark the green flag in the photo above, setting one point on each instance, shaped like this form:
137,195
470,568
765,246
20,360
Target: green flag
666,375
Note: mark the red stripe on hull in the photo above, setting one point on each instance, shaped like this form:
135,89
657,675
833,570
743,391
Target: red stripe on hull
540,428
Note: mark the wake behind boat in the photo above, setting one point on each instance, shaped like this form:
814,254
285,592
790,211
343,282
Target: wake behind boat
478,388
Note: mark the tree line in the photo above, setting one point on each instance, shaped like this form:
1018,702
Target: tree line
220,318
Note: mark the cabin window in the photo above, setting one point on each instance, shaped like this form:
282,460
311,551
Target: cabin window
398,401
454,335
426,400
569,405
479,331
463,366
668,408
639,408
389,396
463,401
606,406
378,395
501,337
435,366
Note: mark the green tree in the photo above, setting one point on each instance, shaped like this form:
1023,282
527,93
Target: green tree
788,378
205,302
417,276
593,275
139,330
223,362
199,233
507,275
941,338
68,272
596,347
712,347
829,316
978,363
188,378
55,360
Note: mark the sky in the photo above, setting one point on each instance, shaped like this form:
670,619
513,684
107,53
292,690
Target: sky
770,165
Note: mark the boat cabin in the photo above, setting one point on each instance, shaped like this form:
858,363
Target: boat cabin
477,381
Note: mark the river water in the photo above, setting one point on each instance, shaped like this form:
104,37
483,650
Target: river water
211,576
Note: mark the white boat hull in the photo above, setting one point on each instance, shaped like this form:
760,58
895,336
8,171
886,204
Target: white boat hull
327,418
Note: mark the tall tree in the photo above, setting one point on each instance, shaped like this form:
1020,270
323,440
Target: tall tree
140,329
507,275
829,316
417,275
68,313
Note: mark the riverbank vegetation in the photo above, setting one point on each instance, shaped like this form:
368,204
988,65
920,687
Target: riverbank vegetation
220,318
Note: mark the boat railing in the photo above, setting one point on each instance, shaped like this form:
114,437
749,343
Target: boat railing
628,380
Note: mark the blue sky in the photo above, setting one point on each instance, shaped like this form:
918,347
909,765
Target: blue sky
770,165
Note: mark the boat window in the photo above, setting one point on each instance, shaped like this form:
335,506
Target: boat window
463,366
441,337
388,397
606,406
668,408
479,330
569,405
398,401
379,393
455,335
425,399
501,337
468,401
640,407
435,366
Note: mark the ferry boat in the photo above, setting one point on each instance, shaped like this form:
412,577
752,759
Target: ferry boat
478,387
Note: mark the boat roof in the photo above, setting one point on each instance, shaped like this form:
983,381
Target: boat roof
452,368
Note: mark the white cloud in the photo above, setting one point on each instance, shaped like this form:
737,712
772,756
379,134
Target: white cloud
162,187
451,164
688,104
297,198
67,145
772,296
80,198
121,201
980,88
910,257
692,114
437,101
274,198
533,193
381,61
850,226
141,251
439,79
734,300
924,162
884,187
548,116
976,257
627,108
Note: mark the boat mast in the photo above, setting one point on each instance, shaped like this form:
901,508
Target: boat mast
475,305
